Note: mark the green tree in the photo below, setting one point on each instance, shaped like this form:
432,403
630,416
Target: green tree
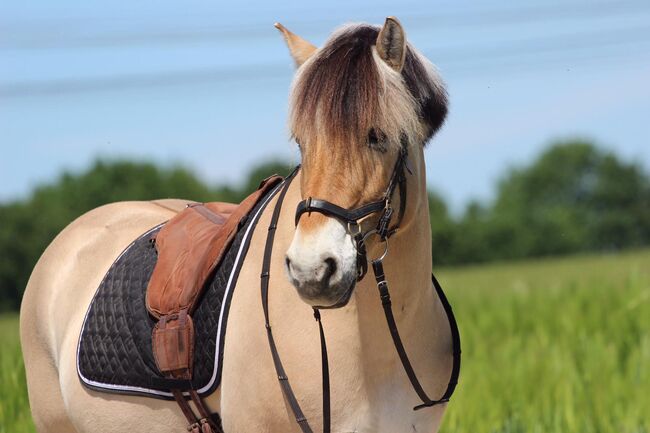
442,230
28,226
261,172
574,197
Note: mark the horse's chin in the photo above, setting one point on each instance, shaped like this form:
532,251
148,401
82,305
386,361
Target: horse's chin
339,299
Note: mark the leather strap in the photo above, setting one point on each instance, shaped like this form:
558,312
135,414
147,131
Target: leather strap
207,213
206,423
455,339
384,294
264,283
185,407
327,421
330,209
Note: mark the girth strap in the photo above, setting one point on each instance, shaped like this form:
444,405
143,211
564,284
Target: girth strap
205,422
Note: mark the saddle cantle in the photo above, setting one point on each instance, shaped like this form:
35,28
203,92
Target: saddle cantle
186,266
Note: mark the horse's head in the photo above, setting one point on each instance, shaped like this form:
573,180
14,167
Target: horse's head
356,103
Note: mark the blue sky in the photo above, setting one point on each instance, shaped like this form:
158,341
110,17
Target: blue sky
205,84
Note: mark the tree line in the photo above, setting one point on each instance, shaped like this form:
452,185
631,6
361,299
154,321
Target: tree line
573,197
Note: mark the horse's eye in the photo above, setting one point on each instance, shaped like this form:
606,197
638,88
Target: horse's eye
377,140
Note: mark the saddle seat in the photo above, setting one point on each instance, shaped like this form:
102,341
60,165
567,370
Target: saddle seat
189,247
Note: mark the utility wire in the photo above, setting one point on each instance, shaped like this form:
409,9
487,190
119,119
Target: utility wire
566,63
450,58
535,45
272,72
31,39
130,81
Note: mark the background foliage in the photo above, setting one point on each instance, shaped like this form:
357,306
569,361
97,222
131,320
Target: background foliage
28,226
574,197
553,345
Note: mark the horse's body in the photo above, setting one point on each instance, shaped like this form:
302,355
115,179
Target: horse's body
370,392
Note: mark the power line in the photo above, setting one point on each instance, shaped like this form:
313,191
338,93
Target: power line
130,81
468,57
566,63
474,17
536,45
206,76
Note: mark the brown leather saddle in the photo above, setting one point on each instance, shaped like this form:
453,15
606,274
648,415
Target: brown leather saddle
190,247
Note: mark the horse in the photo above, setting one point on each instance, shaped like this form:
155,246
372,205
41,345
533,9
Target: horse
357,103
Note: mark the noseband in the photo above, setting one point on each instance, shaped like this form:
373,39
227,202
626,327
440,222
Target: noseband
353,217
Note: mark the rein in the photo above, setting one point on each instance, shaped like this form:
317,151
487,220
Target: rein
383,231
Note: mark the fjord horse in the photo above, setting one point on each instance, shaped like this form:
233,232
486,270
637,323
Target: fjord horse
354,103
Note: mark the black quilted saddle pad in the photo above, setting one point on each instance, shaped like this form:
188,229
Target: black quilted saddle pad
114,350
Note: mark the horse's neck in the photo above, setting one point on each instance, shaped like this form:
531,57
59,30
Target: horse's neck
408,262
408,272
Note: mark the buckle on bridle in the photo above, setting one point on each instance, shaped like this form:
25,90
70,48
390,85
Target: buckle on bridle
384,222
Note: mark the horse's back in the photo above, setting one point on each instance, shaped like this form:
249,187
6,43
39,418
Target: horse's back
59,291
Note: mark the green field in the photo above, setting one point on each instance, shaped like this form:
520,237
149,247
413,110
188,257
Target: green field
557,345
554,345
14,407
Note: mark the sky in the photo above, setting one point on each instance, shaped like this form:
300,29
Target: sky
205,84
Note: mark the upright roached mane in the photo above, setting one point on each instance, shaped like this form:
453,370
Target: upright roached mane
345,90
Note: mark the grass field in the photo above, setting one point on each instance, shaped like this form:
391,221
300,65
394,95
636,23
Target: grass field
14,407
554,345
557,345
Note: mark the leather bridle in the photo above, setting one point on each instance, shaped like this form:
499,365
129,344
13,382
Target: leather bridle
353,217
383,230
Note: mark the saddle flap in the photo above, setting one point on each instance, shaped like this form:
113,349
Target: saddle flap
190,246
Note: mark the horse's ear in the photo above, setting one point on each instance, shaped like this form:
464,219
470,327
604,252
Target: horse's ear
299,48
391,44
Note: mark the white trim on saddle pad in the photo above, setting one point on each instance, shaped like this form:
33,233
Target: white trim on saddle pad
229,286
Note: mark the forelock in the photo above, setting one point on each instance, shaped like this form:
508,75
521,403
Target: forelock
345,89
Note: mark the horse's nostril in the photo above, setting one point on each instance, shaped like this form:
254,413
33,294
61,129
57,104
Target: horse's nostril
287,261
331,268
